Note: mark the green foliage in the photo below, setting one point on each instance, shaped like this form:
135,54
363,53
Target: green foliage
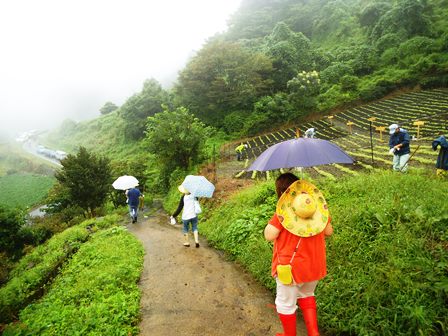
336,95
387,257
237,228
95,293
406,17
303,90
35,269
108,107
290,52
85,180
270,111
223,77
140,106
10,223
176,138
333,73
24,190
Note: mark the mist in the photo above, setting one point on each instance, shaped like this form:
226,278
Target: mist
63,60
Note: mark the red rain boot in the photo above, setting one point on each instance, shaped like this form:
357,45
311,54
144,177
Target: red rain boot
309,311
289,323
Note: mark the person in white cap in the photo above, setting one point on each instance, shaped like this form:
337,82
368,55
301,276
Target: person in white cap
399,144
310,133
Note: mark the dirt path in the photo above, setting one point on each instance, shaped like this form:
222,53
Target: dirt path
195,291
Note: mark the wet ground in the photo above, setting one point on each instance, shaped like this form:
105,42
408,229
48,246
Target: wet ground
196,291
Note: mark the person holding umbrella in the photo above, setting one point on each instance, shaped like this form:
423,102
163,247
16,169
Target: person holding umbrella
189,215
298,229
133,196
191,188
129,184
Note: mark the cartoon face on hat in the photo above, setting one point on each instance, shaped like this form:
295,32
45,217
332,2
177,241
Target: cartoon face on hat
392,128
302,209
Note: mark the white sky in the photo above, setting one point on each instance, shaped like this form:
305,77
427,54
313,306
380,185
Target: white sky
65,58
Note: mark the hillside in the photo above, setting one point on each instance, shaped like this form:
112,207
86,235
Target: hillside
430,107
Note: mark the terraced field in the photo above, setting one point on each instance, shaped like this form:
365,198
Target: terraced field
427,108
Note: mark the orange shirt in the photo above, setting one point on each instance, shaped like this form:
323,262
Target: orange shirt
309,263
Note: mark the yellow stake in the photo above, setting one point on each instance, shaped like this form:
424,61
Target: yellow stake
381,129
418,123
349,124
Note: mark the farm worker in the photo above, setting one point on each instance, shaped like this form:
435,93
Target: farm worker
310,133
442,158
399,146
239,151
189,215
133,195
298,228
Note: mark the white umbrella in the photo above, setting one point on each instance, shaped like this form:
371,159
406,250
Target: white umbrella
125,182
199,186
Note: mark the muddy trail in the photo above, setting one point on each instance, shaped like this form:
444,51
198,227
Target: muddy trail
196,291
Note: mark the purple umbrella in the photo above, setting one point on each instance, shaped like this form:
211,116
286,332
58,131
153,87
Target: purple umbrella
301,152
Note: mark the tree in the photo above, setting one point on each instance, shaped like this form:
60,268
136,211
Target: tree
142,105
290,53
176,138
85,180
11,241
223,77
407,18
108,108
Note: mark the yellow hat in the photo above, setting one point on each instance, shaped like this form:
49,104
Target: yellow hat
182,189
302,209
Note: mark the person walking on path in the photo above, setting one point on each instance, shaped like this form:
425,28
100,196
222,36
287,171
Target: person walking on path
442,158
399,144
298,228
189,215
133,196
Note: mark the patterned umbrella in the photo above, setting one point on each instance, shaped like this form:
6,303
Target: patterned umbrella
125,182
198,186
301,152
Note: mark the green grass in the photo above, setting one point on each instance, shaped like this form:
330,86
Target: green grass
24,190
95,293
387,260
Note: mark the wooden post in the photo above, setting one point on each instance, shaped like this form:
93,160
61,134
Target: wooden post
330,118
381,129
418,123
297,133
349,124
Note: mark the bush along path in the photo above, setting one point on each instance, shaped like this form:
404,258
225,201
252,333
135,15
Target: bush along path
195,291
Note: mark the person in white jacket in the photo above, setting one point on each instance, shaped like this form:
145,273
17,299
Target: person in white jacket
189,215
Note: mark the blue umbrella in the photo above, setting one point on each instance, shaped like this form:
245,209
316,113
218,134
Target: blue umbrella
301,152
198,186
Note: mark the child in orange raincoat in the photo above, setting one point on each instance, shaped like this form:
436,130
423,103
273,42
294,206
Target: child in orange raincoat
298,229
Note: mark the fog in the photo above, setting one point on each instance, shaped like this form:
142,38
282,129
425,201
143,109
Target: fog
64,59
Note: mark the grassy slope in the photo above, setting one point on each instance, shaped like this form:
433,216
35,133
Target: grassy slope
386,261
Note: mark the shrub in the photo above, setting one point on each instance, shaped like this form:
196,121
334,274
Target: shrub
96,293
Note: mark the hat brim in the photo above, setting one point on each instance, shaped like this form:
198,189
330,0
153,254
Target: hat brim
303,227
182,189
